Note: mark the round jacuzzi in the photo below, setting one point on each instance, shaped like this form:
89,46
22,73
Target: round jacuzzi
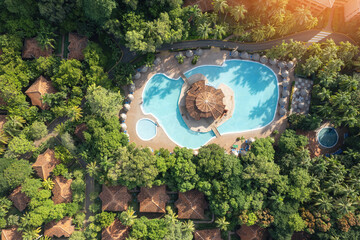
146,129
327,137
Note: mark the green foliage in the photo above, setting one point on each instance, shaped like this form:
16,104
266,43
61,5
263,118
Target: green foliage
105,219
150,229
31,187
289,141
78,187
60,169
98,10
123,74
37,130
304,122
63,155
17,172
195,59
69,74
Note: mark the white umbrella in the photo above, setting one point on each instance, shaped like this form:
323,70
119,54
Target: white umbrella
285,84
157,61
285,73
199,52
195,152
285,93
123,116
282,111
281,64
130,97
123,126
132,87
303,93
264,59
290,64
251,140
273,61
189,53
301,105
256,57
234,53
137,75
144,69
282,101
126,107
245,55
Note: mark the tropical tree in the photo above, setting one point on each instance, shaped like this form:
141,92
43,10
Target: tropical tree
13,125
188,226
204,30
128,217
48,184
92,169
219,31
31,233
45,37
222,223
238,12
220,6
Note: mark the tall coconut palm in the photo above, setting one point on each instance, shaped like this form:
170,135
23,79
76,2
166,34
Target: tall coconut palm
204,30
238,12
324,203
222,223
220,6
74,113
106,163
31,234
219,31
14,125
258,34
127,217
188,226
344,206
269,31
170,216
48,184
92,169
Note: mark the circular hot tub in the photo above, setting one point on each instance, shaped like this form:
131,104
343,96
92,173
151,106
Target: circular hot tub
327,137
146,129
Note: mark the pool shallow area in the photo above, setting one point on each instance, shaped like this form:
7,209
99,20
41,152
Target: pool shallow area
328,137
256,95
146,129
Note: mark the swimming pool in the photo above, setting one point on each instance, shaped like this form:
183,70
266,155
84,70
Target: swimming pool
256,95
146,129
327,137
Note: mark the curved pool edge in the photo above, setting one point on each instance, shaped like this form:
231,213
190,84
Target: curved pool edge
337,137
156,131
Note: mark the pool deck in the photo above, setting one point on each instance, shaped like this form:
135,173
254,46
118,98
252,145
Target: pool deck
173,69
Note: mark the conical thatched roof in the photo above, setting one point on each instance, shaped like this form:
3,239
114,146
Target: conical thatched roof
38,89
115,198
208,234
253,232
264,59
62,190
191,205
153,199
32,49
116,231
45,163
77,44
189,53
11,234
62,228
19,199
256,57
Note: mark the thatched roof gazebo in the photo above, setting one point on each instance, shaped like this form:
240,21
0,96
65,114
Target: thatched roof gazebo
19,199
62,190
62,228
234,53
189,53
115,198
11,234
45,163
153,200
203,101
116,231
208,234
264,59
199,52
76,47
191,205
38,89
32,49
256,57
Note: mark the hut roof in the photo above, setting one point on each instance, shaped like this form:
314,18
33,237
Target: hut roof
208,234
79,131
204,101
32,49
76,46
115,198
116,231
19,199
253,232
191,205
153,199
45,163
38,89
11,234
256,57
62,228
62,190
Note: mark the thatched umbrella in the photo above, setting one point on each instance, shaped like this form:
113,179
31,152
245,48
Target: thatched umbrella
264,59
282,101
132,87
137,76
199,52
123,127
123,116
301,105
290,64
251,140
285,93
144,69
245,55
303,92
285,73
157,61
282,111
126,107
130,97
273,61
189,53
281,64
234,53
285,84
256,57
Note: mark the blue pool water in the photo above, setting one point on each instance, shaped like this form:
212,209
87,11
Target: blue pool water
328,137
146,129
256,94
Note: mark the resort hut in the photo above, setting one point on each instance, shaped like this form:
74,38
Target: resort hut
37,90
11,234
199,52
207,234
123,116
137,76
285,73
130,97
123,127
157,61
252,232
285,84
62,228
245,55
62,190
191,205
234,53
251,140
273,61
19,199
76,47
264,59
32,49
115,198
144,69
290,64
132,87
301,105
116,231
45,163
189,53
153,200
256,57
126,107
281,64
282,101
303,92
282,111
285,93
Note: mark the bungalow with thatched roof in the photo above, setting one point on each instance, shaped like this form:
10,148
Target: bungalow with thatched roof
62,190
45,163
62,228
19,199
116,231
11,234
38,89
77,44
208,234
32,49
115,198
79,131
253,232
191,205
153,200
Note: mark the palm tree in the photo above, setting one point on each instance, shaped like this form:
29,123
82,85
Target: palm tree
106,163
171,217
302,15
344,206
31,234
220,6
48,184
219,31
3,137
92,169
127,217
258,34
222,223
324,204
74,113
270,31
238,12
188,226
14,125
204,30
45,37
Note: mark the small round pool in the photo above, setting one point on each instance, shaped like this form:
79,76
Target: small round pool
328,137
146,129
